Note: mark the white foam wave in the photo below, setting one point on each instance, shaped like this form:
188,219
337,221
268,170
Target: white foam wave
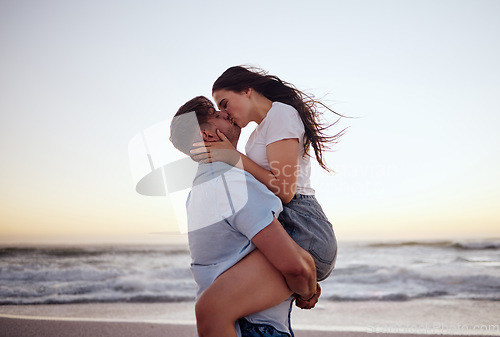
145,274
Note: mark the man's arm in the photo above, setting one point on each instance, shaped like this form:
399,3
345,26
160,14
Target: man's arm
296,265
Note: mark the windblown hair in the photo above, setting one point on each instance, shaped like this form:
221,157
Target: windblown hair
184,128
241,78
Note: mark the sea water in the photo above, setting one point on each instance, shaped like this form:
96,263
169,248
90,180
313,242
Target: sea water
395,271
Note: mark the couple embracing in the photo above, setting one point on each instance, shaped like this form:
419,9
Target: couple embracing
258,238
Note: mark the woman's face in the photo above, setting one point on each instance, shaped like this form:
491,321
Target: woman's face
236,104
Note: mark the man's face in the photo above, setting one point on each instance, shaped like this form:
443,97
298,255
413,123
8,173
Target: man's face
224,123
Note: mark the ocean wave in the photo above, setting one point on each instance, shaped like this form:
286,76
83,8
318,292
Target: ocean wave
410,244
390,283
61,299
78,252
44,275
149,286
466,245
364,272
396,297
484,245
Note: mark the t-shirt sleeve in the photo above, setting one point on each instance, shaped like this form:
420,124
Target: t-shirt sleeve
282,122
247,205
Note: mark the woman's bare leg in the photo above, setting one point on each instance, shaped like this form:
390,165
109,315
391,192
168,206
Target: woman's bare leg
250,286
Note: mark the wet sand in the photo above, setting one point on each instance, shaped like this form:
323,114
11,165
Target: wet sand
342,319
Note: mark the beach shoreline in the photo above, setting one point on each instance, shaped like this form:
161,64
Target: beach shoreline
363,318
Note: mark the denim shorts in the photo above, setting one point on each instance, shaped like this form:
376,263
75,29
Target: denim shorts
306,223
259,330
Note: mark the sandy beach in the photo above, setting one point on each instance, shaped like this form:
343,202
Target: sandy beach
342,319
45,328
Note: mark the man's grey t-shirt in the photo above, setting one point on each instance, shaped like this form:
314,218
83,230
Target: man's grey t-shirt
225,209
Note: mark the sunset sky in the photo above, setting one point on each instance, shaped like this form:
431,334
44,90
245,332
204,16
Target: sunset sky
80,79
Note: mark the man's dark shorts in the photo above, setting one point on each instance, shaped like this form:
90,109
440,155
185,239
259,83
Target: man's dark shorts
259,330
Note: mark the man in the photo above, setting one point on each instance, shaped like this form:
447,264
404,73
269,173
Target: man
230,214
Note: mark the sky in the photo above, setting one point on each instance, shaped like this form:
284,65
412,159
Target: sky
80,79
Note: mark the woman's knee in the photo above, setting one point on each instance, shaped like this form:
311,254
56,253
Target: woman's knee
210,319
203,312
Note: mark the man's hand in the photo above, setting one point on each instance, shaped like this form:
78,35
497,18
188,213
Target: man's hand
209,152
310,303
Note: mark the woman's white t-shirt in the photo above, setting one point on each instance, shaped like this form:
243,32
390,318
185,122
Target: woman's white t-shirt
282,122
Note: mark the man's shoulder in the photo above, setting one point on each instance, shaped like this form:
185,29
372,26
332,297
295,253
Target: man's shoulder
216,170
214,178
236,178
231,194
225,173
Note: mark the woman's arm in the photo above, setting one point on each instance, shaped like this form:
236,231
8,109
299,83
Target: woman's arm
293,262
283,157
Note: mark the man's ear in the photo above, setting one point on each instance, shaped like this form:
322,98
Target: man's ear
248,92
209,136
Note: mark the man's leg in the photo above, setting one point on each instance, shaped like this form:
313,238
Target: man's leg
250,286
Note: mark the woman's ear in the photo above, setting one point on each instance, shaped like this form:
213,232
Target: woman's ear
248,92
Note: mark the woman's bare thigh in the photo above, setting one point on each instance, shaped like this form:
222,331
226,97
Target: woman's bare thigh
250,286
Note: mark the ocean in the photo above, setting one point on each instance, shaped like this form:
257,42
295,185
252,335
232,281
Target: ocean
365,271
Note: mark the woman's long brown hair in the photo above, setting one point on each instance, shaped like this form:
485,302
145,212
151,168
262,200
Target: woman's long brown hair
240,78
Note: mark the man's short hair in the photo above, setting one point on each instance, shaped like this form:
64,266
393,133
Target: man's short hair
184,128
